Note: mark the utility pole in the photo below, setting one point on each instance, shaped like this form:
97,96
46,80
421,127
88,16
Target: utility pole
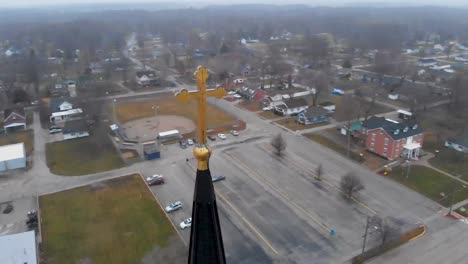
365,234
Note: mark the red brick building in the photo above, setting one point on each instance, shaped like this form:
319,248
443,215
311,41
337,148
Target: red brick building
391,139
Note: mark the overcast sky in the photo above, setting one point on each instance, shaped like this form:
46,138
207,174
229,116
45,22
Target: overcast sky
36,3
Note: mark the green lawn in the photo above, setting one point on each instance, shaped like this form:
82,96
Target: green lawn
17,137
451,161
463,212
333,145
430,183
115,221
82,156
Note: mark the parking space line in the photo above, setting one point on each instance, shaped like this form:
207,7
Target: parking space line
263,146
248,223
244,219
262,179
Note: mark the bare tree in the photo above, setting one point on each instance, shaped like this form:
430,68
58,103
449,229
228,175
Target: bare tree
278,143
386,229
350,184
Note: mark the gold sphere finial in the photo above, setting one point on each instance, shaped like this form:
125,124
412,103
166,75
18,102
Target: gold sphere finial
202,154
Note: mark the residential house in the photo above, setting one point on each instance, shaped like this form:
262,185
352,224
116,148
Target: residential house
58,104
312,115
459,143
14,120
272,101
147,78
426,62
68,115
291,107
389,138
75,129
259,95
246,93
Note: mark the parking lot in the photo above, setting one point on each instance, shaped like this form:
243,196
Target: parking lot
272,208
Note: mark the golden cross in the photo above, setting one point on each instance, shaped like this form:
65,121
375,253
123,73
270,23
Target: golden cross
201,95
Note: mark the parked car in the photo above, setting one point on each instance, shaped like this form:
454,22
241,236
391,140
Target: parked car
189,141
186,223
211,137
155,180
217,178
231,93
173,207
222,136
267,108
153,177
55,130
182,144
234,133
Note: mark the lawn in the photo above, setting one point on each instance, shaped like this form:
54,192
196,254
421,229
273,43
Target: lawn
168,105
333,145
291,123
252,106
451,161
82,156
463,210
430,183
26,136
115,221
268,115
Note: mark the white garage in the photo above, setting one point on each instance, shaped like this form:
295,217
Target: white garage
12,157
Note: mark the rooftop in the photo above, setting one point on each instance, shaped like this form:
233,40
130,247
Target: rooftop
9,152
394,129
18,248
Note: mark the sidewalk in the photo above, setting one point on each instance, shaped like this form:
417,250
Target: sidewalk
424,162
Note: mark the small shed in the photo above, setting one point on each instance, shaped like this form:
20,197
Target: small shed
14,120
12,157
151,150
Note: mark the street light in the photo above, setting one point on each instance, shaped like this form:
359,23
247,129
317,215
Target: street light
113,109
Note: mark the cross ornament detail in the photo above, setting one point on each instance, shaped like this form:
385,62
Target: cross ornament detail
184,96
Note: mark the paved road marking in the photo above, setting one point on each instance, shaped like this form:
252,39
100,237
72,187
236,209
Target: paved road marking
244,219
262,179
266,147
248,223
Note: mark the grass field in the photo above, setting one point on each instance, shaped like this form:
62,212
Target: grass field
82,156
451,161
430,183
168,105
26,136
115,221
252,106
333,145
291,123
268,115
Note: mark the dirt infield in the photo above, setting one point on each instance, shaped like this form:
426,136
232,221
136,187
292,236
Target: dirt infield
147,128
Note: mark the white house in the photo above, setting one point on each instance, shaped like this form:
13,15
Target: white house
12,157
291,107
75,129
62,116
